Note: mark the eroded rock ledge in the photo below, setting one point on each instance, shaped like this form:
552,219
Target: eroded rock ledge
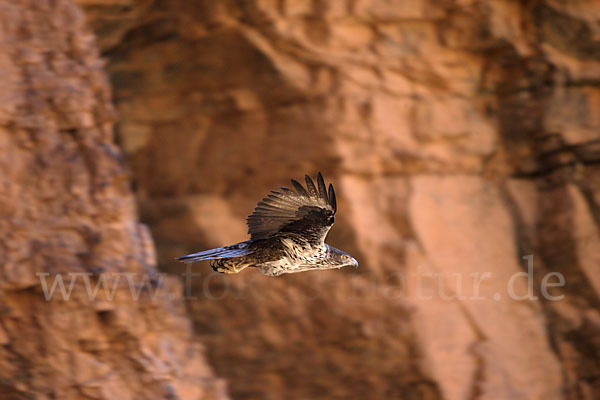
66,207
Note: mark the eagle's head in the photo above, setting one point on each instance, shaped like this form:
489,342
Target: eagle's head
337,258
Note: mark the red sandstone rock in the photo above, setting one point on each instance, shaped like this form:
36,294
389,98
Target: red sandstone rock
460,137
66,207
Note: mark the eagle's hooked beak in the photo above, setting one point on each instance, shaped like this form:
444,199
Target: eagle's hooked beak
352,262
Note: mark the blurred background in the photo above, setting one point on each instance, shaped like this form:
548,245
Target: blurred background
461,136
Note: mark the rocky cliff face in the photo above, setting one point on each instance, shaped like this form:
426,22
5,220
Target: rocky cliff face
67,211
462,136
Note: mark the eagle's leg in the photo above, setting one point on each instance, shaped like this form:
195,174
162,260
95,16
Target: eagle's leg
229,265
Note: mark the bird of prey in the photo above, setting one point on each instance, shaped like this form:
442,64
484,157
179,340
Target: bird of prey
287,234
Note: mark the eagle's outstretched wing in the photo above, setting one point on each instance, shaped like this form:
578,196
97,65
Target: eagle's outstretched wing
307,212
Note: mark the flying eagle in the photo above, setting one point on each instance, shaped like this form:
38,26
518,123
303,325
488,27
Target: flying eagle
287,234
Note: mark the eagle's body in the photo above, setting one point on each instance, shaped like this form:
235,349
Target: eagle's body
287,232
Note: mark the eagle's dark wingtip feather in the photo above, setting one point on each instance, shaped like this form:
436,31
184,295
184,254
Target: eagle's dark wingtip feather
332,200
299,188
311,186
322,188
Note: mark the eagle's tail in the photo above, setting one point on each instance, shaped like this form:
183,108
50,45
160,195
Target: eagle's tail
235,250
